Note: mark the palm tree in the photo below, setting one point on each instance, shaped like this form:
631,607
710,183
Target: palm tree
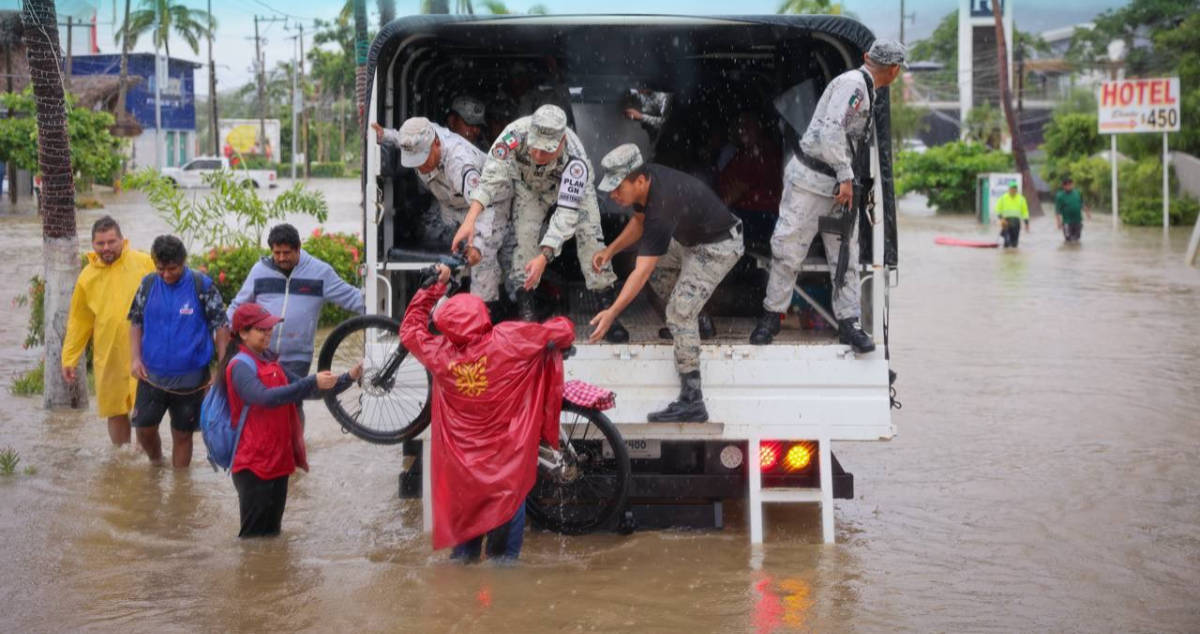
826,7
60,244
10,36
159,18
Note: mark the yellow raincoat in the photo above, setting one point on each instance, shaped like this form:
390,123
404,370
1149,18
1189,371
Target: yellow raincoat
100,311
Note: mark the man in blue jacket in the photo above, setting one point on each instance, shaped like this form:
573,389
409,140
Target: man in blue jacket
175,315
293,286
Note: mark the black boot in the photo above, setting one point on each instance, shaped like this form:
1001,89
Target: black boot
766,329
707,330
496,310
690,406
850,333
616,333
526,308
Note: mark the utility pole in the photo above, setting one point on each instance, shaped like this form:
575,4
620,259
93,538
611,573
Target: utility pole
304,110
904,17
295,115
70,30
212,91
158,131
1014,126
262,80
262,105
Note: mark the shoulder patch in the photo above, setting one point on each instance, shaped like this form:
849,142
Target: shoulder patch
574,181
856,100
510,140
470,181
500,151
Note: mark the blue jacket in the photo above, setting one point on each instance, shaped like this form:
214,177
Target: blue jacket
298,299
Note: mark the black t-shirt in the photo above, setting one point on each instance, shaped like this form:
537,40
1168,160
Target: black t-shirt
682,207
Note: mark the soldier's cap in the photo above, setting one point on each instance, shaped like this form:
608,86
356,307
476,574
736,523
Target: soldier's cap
888,53
546,128
416,140
471,110
617,164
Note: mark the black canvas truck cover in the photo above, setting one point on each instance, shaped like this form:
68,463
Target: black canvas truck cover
605,41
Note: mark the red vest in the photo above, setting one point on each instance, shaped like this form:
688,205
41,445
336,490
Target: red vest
272,443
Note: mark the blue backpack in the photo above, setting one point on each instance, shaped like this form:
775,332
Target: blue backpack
219,435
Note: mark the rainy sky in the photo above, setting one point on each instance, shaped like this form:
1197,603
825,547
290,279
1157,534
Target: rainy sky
234,45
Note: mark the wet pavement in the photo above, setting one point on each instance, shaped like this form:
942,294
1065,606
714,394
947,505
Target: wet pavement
1043,479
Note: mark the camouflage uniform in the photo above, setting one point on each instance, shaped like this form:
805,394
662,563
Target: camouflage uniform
843,114
451,182
688,276
565,185
653,106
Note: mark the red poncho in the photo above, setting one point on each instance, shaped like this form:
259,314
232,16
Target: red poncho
496,393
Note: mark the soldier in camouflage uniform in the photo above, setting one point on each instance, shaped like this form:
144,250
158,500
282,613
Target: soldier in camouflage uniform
687,242
544,164
651,110
818,181
449,166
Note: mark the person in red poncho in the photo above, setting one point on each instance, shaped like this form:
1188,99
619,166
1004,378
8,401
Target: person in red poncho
497,392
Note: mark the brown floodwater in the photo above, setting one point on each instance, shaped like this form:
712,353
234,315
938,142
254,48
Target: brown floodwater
1046,477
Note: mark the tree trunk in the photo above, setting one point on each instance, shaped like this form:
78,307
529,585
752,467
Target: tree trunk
387,12
60,244
1014,126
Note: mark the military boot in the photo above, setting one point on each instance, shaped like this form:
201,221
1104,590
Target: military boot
851,333
689,408
766,329
526,307
616,333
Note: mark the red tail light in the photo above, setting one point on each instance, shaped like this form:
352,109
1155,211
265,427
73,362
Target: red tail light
768,455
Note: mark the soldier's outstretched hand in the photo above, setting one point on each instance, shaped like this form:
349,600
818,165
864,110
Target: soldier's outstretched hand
378,131
533,271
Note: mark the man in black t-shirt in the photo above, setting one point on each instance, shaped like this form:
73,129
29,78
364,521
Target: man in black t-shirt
687,242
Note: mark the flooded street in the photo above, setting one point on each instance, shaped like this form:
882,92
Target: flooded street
1044,479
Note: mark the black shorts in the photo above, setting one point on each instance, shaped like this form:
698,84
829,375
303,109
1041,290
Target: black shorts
152,402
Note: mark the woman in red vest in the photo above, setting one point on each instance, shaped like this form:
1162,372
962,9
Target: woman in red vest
272,441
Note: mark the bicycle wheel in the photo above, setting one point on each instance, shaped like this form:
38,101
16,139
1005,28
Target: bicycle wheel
594,479
390,403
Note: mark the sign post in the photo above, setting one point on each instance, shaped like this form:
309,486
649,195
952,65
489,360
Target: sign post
1140,105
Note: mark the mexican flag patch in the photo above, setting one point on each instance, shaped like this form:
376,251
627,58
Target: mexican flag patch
510,140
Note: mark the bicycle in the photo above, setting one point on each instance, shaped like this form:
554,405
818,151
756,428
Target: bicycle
579,488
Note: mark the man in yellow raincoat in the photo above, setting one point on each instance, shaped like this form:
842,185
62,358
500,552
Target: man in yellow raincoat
99,309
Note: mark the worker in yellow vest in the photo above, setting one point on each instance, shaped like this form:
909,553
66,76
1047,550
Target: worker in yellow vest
1011,209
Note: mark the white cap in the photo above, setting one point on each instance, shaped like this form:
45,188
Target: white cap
416,141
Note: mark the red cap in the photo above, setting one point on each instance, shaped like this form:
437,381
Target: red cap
253,316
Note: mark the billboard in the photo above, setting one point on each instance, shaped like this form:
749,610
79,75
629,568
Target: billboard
1139,105
243,137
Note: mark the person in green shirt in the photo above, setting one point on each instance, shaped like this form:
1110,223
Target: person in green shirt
1011,209
1069,210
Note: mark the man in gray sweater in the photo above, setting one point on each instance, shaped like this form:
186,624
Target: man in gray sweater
293,286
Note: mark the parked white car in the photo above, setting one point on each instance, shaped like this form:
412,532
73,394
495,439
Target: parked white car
192,173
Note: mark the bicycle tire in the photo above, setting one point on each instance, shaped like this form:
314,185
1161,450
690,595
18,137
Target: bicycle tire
381,415
591,499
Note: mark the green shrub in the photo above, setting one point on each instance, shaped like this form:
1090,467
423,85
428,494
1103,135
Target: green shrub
946,173
9,459
327,170
32,383
1071,136
344,253
228,267
36,300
